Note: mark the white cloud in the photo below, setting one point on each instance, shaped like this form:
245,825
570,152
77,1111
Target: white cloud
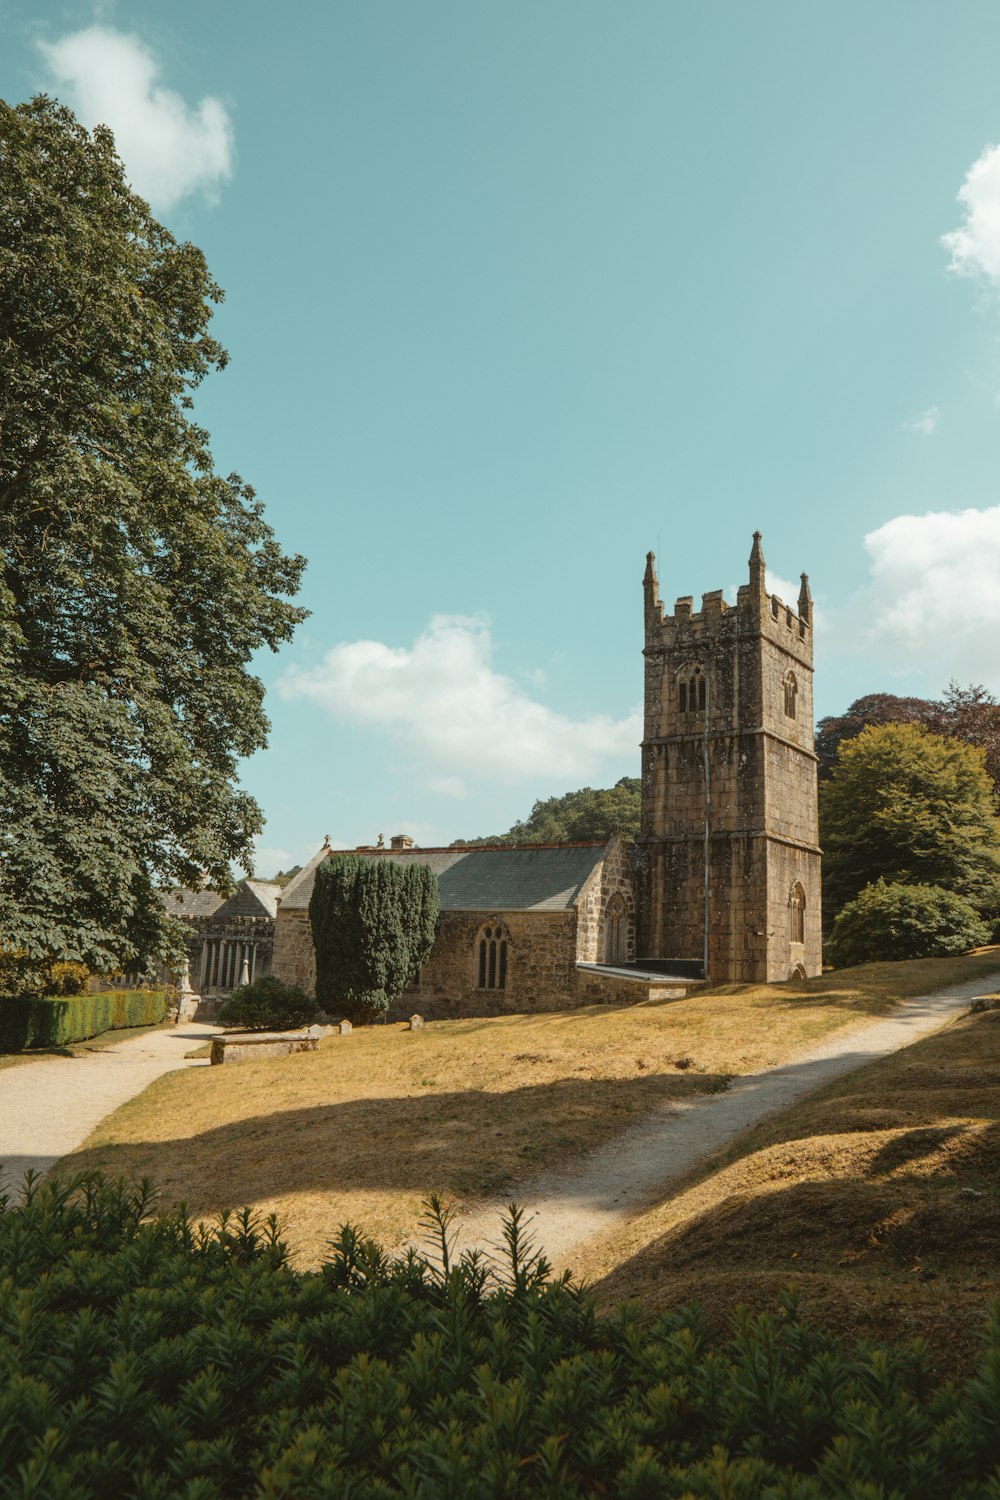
975,248
169,148
926,423
934,598
442,697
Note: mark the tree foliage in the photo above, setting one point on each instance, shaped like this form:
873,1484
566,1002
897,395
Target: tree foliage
150,1356
135,581
906,805
581,817
968,713
373,923
896,921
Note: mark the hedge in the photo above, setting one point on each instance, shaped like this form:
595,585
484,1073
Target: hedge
150,1358
26,1023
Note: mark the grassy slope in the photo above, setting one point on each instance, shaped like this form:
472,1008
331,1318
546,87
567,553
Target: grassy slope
878,1197
366,1127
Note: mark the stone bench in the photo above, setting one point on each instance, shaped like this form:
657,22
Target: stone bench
252,1046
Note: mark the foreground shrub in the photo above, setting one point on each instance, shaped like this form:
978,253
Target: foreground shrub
149,1358
28,1022
268,1004
895,921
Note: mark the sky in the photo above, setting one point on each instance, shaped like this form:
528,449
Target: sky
517,292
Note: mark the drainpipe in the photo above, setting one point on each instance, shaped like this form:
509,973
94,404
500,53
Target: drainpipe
708,808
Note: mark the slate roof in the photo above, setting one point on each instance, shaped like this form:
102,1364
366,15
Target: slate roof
532,877
251,898
187,903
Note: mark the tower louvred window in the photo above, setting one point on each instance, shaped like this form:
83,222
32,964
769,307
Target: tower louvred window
797,905
692,691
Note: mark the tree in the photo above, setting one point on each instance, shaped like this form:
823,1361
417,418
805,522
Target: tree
964,713
373,923
135,581
895,921
973,715
907,805
586,816
874,708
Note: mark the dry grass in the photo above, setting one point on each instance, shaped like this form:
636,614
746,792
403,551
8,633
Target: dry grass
878,1197
365,1128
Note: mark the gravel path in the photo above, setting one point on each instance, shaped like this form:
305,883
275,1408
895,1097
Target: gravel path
604,1188
48,1107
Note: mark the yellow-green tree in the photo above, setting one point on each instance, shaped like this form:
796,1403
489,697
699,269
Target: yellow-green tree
909,806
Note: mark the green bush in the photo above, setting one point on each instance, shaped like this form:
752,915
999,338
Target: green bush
268,1004
147,1357
67,978
890,920
27,1021
22,976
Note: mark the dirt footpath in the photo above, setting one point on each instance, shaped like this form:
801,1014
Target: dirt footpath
602,1190
48,1107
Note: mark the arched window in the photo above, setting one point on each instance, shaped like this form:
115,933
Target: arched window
691,691
615,931
791,693
492,957
797,914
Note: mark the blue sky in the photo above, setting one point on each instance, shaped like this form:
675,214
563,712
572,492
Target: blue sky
516,292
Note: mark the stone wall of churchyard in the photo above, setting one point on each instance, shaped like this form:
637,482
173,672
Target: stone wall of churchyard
613,877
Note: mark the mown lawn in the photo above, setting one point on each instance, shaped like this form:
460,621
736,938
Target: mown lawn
364,1129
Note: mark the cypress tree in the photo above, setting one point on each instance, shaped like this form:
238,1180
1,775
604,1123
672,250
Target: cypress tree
373,923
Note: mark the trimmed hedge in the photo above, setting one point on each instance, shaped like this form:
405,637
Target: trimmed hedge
26,1023
154,1359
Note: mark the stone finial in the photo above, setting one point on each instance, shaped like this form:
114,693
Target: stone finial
651,591
381,841
758,571
326,841
805,601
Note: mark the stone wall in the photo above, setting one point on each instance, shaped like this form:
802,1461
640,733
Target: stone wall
541,963
293,959
613,878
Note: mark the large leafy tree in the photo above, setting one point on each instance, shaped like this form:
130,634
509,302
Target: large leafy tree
576,817
373,923
135,581
907,805
963,713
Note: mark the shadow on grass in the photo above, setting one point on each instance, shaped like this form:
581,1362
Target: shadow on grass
467,1143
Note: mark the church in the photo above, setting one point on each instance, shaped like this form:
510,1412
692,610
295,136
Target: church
723,883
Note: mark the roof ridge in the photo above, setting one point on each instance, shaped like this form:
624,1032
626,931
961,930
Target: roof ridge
477,848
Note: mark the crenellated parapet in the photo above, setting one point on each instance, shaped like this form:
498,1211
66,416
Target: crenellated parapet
755,612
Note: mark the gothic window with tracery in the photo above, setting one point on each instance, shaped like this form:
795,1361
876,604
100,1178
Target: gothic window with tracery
797,912
791,693
492,957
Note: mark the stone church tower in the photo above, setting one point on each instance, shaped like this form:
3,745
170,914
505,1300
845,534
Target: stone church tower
729,846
